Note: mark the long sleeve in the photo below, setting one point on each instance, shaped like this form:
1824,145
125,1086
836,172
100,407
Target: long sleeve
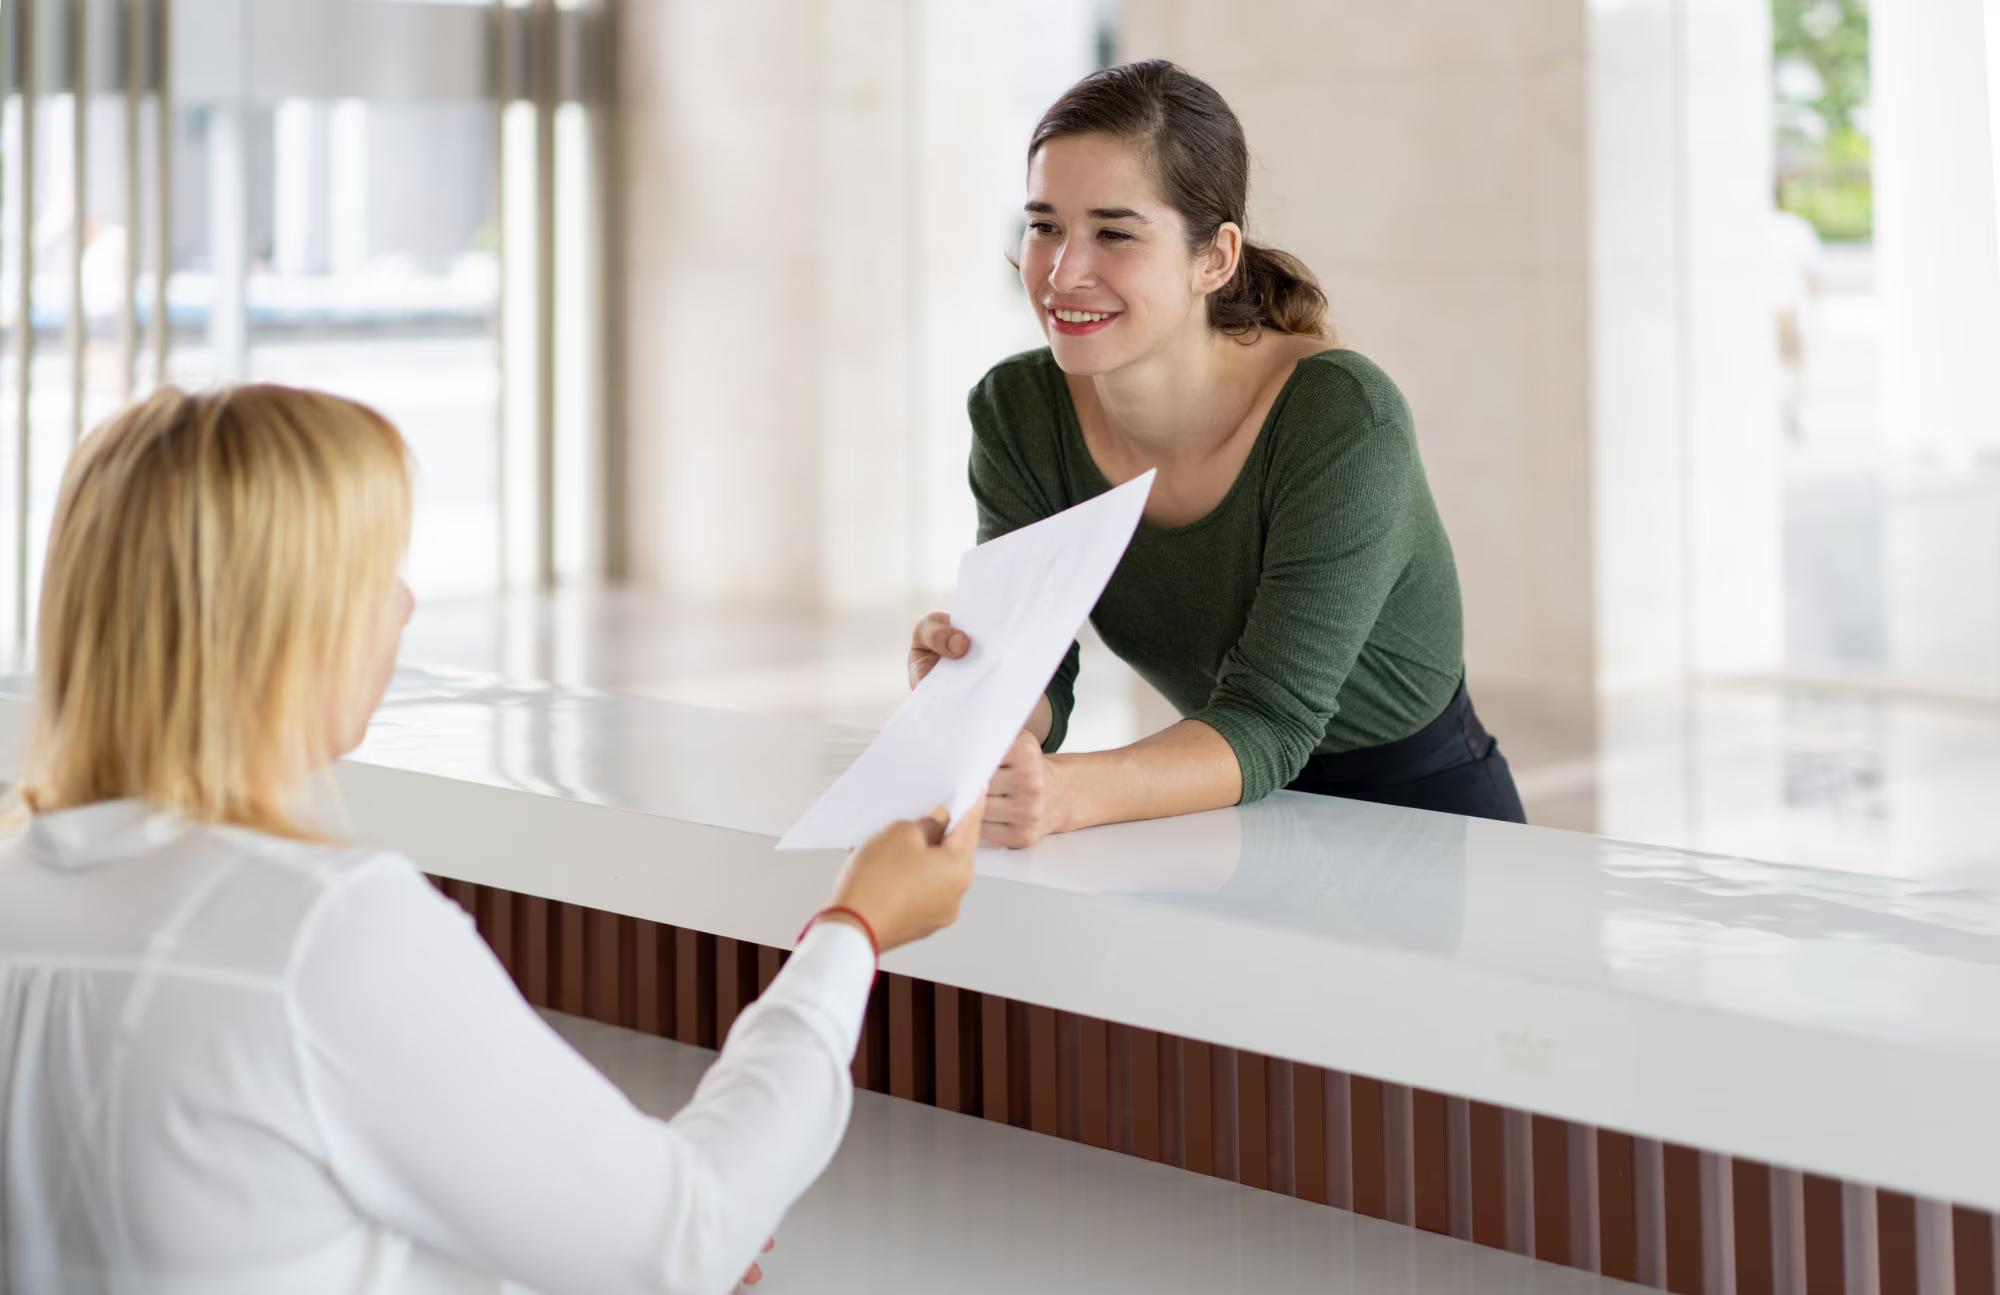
1009,497
1337,542
451,1112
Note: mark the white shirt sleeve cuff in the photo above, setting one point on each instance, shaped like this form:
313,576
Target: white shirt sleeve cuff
827,980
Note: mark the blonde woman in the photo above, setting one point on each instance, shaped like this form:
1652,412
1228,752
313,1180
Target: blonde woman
237,1054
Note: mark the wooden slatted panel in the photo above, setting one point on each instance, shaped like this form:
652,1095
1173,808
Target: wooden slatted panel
1044,1083
1399,1155
1252,1119
652,998
694,988
1458,1163
1551,1189
1173,1103
1118,1091
1683,1236
496,924
1431,1148
1752,1206
1825,1247
569,959
769,963
1489,1175
1280,1119
1365,1151
913,1040
1146,1103
1197,1128
1225,1144
1896,1227
733,988
1973,1237
1093,1079
1309,1133
871,1056
1011,1054
535,922
902,1038
1069,1077
1618,1240
956,1040
604,970
945,1049
1278,1125
995,1059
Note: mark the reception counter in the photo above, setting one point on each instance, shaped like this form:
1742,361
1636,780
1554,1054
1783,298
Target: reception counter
1697,1072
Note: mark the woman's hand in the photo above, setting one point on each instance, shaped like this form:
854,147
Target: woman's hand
933,639
1023,796
908,879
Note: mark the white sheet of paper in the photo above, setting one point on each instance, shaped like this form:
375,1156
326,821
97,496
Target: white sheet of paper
1021,600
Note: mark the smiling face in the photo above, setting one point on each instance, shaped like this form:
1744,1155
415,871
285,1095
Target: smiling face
1105,260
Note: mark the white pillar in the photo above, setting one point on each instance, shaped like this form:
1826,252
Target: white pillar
1935,229
301,203
348,190
228,242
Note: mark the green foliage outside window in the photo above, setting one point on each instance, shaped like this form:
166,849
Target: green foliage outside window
1820,57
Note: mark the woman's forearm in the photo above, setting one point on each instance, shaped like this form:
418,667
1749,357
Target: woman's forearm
1179,770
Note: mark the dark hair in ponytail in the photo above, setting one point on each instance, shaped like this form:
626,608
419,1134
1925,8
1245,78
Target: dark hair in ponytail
1194,146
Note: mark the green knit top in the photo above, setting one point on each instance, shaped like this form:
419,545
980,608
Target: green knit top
1315,609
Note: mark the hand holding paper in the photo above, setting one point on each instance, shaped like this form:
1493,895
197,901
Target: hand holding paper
1021,599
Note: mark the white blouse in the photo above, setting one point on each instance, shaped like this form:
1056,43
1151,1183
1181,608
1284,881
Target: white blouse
231,1062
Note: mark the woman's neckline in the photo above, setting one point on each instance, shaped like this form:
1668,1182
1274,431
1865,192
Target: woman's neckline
1073,429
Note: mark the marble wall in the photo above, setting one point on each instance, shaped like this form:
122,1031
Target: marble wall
821,195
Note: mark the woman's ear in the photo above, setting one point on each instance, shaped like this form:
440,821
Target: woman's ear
1216,264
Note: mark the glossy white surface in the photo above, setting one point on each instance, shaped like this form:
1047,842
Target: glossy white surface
920,1199
1818,1020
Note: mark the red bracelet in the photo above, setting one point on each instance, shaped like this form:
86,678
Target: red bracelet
860,921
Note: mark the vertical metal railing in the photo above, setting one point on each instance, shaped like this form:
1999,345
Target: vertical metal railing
76,336
528,70
547,67
137,32
114,58
132,59
163,172
505,60
24,308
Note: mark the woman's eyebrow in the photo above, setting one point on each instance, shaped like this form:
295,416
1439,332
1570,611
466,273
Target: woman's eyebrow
1095,213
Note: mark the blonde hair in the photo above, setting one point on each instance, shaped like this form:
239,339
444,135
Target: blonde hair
217,564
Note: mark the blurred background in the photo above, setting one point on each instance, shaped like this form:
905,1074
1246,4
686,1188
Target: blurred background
1696,302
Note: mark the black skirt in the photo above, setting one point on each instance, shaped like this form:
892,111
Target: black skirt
1451,764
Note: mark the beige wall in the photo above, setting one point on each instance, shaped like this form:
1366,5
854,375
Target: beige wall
726,318
819,198
1433,173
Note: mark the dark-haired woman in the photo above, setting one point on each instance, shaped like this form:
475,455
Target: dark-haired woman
1291,589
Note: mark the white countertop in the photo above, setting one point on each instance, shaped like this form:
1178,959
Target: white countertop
1826,1021
919,1199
